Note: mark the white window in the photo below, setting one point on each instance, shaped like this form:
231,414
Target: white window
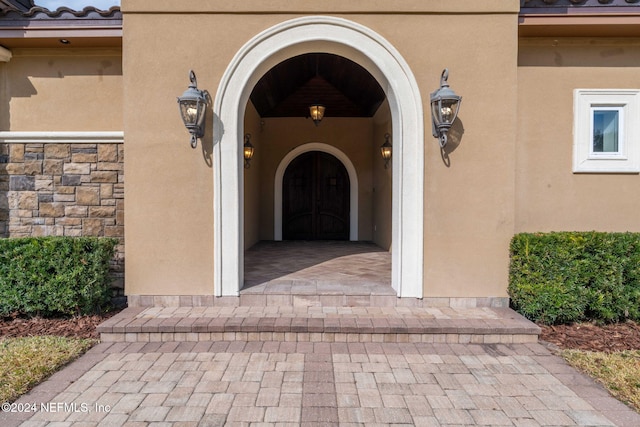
606,131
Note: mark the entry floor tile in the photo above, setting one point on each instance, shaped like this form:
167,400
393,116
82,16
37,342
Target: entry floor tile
317,268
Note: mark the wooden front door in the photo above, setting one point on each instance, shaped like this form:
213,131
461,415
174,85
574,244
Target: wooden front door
315,198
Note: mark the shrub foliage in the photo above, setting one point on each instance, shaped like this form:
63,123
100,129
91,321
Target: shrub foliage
575,276
55,276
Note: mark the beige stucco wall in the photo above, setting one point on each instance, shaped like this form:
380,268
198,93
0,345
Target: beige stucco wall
468,200
469,189
382,180
550,197
36,83
253,177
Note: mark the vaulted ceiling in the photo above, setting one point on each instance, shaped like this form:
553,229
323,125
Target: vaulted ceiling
345,88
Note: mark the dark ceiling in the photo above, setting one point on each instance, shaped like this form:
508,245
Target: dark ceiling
345,88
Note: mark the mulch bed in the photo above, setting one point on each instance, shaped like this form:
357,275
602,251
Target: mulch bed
584,336
78,327
591,337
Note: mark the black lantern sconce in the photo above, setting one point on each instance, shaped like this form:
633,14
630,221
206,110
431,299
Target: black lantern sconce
193,108
444,109
386,150
248,151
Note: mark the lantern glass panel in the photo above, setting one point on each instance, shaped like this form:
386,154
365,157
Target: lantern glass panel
248,152
436,107
316,112
200,112
189,110
448,110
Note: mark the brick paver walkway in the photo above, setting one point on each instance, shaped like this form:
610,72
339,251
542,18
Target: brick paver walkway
306,383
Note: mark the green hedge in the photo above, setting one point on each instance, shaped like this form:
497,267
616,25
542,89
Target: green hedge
575,276
55,276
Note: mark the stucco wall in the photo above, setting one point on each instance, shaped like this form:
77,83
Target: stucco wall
469,188
469,197
550,197
382,180
37,82
253,210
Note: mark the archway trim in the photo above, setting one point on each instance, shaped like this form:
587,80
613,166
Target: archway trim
353,185
365,47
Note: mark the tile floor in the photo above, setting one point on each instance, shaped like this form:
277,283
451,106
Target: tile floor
317,267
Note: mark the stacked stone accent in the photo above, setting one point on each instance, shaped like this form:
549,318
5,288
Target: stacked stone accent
64,189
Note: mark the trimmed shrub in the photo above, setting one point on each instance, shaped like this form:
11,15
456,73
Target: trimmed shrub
575,276
55,276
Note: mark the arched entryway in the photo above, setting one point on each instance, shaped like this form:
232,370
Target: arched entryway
374,53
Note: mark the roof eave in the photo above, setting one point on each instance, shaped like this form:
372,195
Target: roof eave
49,33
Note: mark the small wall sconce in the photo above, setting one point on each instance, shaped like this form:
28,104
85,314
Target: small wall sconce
193,108
386,149
444,109
316,111
248,151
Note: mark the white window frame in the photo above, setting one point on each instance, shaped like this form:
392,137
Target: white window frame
627,158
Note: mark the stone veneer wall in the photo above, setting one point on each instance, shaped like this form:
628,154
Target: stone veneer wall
64,189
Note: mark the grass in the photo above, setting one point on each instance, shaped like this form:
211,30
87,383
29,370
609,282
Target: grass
619,371
24,362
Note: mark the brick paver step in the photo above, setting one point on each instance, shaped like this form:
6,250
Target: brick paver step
320,324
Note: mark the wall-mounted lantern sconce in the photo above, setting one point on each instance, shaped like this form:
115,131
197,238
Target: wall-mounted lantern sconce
248,151
386,149
316,111
444,109
193,107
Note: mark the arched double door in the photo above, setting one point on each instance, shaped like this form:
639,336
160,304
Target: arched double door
315,198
